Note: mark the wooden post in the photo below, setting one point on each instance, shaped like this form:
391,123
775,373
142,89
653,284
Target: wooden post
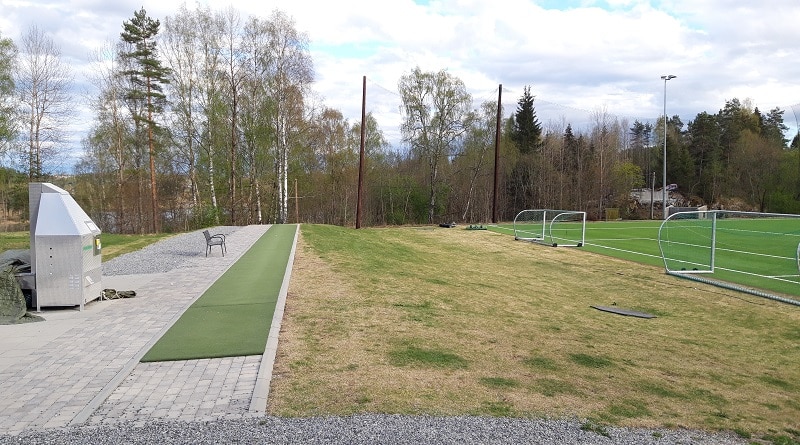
497,153
361,152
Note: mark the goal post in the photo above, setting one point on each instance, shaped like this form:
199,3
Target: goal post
753,252
687,242
566,228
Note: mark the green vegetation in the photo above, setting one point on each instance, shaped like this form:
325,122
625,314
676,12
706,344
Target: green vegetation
590,361
552,387
783,439
15,241
499,382
734,156
409,355
498,409
114,245
595,427
541,363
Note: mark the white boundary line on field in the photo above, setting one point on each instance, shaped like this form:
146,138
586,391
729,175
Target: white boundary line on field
624,250
771,277
754,253
598,245
626,239
775,277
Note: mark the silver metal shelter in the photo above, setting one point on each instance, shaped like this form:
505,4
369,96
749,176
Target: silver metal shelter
65,249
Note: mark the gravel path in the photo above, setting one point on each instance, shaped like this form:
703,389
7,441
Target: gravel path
176,251
169,253
368,429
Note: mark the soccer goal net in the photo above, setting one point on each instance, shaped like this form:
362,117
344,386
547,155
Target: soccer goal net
552,227
758,253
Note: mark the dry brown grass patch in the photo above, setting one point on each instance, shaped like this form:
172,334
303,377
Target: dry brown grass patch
450,322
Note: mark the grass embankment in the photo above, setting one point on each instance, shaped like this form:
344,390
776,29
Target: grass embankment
450,322
114,245
14,241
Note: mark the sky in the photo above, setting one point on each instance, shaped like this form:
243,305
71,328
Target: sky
580,58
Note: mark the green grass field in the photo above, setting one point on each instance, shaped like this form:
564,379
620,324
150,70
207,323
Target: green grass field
758,254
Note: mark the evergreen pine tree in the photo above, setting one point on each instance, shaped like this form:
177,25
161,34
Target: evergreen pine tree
147,75
526,132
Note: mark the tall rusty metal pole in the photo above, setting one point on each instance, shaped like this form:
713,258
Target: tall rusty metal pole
497,153
361,152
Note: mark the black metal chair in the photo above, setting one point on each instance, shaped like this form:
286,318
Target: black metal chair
215,240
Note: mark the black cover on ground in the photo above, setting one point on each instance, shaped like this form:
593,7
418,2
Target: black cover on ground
626,312
13,308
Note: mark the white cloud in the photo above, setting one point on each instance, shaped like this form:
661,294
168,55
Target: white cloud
583,56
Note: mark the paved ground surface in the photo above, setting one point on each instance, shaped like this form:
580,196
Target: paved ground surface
82,367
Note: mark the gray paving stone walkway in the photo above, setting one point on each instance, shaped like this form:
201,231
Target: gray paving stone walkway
183,390
84,368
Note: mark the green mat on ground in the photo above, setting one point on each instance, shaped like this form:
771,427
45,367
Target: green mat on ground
233,317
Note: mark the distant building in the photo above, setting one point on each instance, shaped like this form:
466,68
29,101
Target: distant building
642,196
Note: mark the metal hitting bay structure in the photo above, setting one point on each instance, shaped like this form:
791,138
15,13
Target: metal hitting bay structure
565,228
65,249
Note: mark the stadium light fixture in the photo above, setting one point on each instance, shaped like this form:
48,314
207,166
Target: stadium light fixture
664,177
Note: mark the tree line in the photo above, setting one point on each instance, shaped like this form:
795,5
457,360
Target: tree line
209,118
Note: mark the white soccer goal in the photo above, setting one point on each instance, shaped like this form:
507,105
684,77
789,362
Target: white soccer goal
565,228
758,253
687,241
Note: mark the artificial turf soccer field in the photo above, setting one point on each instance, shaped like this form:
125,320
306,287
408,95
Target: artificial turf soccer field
755,254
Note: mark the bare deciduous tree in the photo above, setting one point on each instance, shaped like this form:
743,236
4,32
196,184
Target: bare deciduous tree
436,113
43,83
180,38
290,71
232,57
112,129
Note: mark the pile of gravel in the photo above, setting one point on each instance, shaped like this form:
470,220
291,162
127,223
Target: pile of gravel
174,252
370,429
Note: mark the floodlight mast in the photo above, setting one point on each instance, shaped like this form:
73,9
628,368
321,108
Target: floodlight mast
664,176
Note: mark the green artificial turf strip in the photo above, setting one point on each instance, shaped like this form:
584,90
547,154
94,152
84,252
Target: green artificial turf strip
215,331
233,317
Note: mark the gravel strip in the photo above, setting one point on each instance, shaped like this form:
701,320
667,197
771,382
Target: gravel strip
369,429
170,253
177,251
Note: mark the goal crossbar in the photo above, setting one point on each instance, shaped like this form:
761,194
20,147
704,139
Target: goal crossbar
566,228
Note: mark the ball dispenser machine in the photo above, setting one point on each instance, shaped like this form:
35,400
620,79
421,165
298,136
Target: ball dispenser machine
65,249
